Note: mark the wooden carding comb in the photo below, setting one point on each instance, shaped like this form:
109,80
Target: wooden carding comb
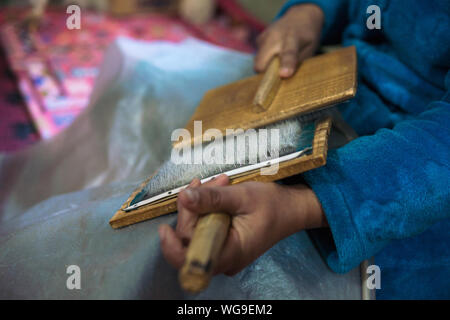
251,103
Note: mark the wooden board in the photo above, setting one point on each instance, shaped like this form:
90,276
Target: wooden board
289,168
319,82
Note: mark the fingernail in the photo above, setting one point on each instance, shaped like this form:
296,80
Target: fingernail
192,195
285,71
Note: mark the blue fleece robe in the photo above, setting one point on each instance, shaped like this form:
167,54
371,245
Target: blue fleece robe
387,193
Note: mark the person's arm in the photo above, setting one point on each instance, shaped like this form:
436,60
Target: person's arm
391,185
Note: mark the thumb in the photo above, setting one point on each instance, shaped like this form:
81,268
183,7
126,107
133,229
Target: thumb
204,199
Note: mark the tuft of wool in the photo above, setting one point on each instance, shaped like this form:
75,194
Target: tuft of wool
294,134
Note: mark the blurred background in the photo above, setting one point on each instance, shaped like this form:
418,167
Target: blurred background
47,72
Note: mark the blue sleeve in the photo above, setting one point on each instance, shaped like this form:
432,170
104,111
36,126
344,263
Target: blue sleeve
391,185
336,17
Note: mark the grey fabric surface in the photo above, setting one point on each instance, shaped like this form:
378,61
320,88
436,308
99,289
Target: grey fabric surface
73,229
47,225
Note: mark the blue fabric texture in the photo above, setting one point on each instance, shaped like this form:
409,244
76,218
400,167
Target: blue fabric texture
387,193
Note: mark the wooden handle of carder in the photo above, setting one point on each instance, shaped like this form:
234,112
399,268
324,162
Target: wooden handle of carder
203,251
268,87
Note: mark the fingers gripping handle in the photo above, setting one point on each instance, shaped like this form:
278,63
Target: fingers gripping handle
203,251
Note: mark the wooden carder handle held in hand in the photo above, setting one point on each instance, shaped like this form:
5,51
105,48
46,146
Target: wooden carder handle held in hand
203,251
268,87
212,229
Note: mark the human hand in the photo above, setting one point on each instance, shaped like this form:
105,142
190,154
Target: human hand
294,37
261,215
